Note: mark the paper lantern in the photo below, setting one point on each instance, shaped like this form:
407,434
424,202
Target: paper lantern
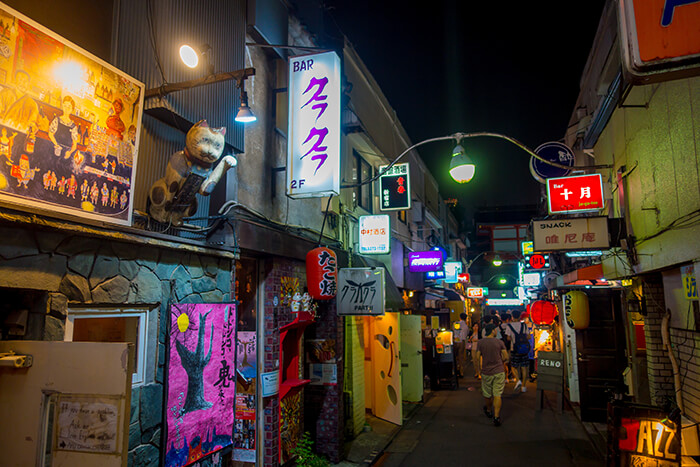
321,273
543,312
576,309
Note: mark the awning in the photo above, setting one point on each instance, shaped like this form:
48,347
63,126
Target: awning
440,293
588,274
394,299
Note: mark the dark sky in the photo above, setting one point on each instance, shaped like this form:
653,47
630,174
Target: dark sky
509,67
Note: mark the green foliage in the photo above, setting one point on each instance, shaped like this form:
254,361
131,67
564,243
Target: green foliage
305,457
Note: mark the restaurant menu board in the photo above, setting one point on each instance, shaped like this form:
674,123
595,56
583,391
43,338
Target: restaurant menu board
69,125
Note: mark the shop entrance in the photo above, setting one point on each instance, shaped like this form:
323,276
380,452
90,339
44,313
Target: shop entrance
600,353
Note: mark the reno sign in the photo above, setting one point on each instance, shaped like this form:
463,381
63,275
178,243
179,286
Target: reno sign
424,261
313,142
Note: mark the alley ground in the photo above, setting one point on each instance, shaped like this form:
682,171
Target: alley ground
451,429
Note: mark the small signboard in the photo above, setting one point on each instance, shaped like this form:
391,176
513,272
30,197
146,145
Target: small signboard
476,292
425,261
270,383
375,235
452,270
550,371
395,188
435,275
552,151
640,435
690,285
361,291
582,193
582,233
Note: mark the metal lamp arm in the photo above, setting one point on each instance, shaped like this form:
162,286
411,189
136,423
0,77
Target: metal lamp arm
460,136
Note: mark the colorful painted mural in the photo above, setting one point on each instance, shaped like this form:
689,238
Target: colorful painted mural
291,424
69,125
201,381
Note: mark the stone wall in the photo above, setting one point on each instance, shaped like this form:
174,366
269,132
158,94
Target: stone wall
70,270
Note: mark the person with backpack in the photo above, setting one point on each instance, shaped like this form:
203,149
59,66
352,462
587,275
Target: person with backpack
519,350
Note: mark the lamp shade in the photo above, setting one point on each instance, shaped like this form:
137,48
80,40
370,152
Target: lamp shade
497,261
543,312
461,166
245,115
321,273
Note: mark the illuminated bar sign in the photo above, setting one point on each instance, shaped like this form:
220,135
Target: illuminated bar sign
395,188
313,148
660,39
375,234
582,193
476,292
452,270
425,261
580,233
435,274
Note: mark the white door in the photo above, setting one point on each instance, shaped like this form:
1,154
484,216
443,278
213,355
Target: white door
69,408
411,358
386,362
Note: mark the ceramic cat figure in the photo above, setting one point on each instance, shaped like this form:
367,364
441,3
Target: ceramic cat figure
190,171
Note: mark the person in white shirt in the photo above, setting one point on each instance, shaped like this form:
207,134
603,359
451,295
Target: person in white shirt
461,335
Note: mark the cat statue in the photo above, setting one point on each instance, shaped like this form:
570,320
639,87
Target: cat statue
190,172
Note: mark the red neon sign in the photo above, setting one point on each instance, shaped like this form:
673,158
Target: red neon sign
575,194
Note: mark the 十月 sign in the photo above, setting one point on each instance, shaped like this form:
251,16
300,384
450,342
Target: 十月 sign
425,261
313,148
581,193
395,189
659,38
375,234
361,291
582,233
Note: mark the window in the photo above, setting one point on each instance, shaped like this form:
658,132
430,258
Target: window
362,171
115,325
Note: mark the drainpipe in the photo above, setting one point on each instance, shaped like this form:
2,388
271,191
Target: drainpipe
666,339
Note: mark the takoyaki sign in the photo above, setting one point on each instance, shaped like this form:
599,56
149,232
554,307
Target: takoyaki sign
69,125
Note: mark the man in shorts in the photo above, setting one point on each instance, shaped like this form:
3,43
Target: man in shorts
492,353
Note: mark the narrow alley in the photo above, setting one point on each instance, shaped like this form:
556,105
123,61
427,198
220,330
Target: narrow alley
450,428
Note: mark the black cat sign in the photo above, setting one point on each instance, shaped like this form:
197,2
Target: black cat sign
313,147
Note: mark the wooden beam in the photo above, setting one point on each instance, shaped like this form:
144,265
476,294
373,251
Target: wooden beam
238,75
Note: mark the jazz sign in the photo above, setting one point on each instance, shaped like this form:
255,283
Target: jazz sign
361,291
313,148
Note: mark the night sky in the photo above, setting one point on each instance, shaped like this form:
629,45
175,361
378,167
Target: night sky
505,67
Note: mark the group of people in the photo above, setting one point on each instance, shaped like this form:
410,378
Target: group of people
502,350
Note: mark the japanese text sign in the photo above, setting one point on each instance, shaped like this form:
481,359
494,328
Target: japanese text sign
375,234
570,234
431,275
452,270
71,124
425,261
659,37
395,188
313,140
690,287
580,193
475,292
361,291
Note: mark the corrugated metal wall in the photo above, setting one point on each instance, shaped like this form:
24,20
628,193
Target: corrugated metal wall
149,28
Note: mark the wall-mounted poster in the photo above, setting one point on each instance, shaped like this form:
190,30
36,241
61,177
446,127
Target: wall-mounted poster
246,370
69,126
201,381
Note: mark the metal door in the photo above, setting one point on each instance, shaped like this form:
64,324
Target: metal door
600,353
411,358
386,367
70,407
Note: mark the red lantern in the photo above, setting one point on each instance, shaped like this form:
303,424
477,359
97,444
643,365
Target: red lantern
321,273
543,312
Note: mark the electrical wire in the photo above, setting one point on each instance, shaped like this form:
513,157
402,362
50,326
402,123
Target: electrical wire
153,35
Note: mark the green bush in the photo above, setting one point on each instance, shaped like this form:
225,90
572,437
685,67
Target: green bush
305,457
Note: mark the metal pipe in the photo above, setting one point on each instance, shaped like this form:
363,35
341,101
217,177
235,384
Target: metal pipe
666,340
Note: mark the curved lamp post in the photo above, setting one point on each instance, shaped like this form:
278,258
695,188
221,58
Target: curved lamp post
462,168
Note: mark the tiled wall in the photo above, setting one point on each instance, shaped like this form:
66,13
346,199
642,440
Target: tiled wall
355,374
658,363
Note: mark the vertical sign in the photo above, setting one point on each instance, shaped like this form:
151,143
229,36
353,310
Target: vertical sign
313,148
395,188
361,291
375,234
690,286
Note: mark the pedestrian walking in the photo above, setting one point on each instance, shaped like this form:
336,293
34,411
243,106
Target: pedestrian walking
520,350
492,355
461,335
473,345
